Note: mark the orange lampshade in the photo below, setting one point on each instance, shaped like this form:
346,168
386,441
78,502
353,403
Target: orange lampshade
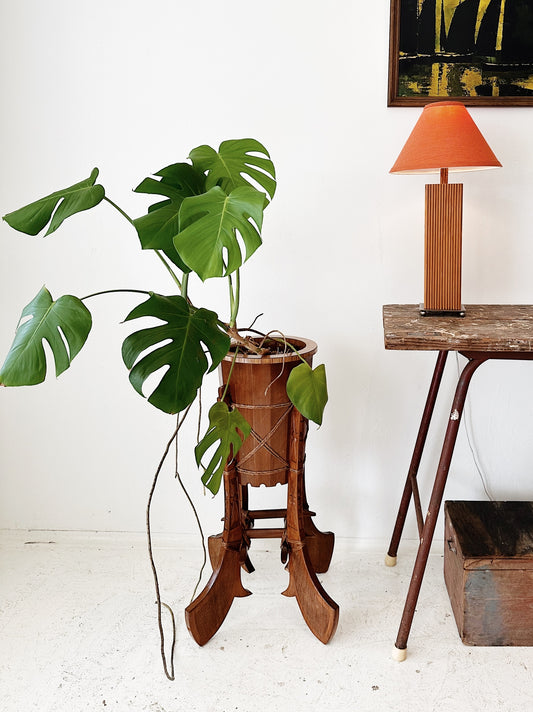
445,136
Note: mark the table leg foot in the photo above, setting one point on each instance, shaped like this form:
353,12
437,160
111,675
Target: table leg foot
319,611
399,654
215,547
207,612
319,544
390,560
320,549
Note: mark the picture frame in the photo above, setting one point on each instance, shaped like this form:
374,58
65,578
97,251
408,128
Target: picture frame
479,52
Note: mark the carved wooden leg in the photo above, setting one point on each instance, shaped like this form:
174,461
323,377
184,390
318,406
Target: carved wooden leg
215,547
319,544
320,612
215,543
206,613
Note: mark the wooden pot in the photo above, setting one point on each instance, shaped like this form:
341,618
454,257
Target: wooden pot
258,388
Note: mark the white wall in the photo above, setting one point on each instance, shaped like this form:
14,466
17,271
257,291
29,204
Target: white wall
130,87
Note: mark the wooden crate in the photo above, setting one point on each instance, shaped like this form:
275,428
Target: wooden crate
488,569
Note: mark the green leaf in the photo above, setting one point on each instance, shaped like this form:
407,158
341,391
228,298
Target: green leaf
235,164
32,218
308,391
158,228
224,427
210,225
65,324
177,346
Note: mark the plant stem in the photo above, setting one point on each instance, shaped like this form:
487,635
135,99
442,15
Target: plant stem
158,252
113,291
125,215
286,343
170,270
184,284
234,297
229,375
244,341
160,604
231,300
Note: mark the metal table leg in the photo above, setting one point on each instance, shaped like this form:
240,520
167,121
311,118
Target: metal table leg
411,487
435,502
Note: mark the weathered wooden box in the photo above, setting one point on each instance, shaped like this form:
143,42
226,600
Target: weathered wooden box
488,569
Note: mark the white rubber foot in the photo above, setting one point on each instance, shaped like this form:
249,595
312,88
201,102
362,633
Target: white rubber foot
390,560
399,654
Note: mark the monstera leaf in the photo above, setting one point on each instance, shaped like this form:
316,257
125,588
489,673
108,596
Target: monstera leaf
308,391
214,202
224,427
157,229
235,164
32,218
210,225
177,346
64,324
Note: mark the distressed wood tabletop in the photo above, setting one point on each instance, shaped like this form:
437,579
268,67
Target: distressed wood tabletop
485,327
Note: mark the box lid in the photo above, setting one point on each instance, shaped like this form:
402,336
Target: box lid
492,529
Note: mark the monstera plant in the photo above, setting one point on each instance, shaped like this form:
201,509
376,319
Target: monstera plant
207,222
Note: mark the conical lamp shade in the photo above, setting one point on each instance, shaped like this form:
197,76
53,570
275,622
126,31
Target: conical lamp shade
445,136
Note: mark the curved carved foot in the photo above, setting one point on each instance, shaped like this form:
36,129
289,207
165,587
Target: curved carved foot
319,546
215,546
320,612
207,612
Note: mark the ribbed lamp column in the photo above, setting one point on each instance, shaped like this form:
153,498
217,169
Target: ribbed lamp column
442,247
445,138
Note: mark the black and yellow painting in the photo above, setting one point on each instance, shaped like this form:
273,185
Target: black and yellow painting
475,51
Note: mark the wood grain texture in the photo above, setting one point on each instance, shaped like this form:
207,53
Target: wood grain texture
493,529
485,327
278,434
488,569
442,246
258,389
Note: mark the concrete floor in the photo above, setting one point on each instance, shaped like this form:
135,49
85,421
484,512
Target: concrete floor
78,632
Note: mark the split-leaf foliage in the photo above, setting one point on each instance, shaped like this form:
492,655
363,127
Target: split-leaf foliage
207,220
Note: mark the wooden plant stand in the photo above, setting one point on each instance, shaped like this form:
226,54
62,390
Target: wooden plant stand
306,550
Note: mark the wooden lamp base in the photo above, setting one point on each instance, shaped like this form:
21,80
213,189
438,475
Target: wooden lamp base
442,250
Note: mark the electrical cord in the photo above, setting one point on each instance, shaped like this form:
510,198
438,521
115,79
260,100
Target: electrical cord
470,439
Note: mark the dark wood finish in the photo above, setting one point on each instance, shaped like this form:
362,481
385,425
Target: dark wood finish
488,569
320,612
276,456
485,327
207,612
392,94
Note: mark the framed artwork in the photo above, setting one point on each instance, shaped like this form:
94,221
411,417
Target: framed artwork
479,52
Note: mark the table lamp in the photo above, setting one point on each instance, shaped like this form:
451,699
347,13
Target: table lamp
445,138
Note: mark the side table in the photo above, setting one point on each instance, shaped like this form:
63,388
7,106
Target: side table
486,332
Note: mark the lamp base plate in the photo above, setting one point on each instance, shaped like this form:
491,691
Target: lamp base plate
442,312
